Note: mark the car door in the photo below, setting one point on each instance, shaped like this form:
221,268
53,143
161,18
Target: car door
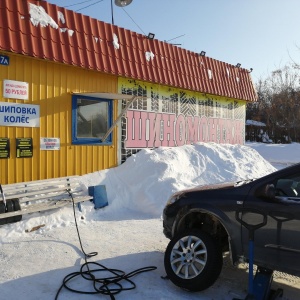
277,243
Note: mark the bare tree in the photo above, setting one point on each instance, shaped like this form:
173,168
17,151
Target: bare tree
278,104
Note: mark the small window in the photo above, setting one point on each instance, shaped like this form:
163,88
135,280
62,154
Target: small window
91,118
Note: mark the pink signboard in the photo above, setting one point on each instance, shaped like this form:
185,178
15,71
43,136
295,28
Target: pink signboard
151,129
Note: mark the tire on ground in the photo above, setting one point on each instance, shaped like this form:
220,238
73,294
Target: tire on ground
2,211
17,206
11,205
9,208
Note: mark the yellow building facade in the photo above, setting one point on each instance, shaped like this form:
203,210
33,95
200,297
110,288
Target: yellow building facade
66,81
178,117
50,86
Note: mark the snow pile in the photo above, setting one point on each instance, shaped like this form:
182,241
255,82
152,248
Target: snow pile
147,179
141,186
38,16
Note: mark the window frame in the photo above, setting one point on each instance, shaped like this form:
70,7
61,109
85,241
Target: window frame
90,141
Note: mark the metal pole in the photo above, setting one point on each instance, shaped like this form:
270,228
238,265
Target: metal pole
125,109
112,12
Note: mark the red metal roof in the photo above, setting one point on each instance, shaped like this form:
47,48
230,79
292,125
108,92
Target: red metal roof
79,40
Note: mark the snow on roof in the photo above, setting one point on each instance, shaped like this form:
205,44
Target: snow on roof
46,31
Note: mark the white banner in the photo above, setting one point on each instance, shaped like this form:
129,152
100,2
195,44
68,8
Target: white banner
19,115
50,143
15,89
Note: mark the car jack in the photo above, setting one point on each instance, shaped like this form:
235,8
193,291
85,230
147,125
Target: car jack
262,286
259,287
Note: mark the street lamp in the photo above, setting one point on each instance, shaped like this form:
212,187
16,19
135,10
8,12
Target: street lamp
120,3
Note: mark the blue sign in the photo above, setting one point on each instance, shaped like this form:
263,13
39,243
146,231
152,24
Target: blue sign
4,60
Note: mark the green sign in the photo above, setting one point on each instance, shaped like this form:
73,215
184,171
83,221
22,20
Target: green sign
4,148
24,147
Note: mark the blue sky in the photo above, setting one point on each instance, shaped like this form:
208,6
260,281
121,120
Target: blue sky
259,34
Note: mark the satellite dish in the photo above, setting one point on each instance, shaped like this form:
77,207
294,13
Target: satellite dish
122,3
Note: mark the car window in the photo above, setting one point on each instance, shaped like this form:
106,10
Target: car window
288,187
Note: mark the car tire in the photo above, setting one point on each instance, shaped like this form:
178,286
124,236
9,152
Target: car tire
2,211
193,260
9,208
17,206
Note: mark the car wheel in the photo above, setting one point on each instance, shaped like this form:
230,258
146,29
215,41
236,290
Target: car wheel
193,260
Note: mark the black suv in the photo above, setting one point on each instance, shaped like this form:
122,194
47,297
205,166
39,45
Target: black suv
205,222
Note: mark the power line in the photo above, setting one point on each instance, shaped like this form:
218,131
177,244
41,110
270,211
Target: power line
134,21
99,2
89,5
78,3
175,38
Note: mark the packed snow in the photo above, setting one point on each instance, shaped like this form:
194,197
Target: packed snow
127,234
148,178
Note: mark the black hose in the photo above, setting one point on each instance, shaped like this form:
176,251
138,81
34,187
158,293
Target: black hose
110,286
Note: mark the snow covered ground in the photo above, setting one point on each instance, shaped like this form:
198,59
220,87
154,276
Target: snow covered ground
127,234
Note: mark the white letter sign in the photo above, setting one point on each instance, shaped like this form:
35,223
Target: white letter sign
15,89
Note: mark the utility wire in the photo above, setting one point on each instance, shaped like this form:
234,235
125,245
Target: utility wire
89,5
175,38
134,21
78,3
102,1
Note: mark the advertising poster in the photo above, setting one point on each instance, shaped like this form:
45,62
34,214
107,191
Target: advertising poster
24,147
4,148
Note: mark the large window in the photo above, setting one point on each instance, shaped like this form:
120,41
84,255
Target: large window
91,118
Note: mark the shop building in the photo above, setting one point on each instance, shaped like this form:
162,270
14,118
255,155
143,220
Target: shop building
62,76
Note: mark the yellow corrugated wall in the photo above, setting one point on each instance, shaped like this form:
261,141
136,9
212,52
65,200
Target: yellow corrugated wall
50,86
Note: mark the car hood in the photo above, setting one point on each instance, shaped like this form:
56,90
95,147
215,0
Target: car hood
218,186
